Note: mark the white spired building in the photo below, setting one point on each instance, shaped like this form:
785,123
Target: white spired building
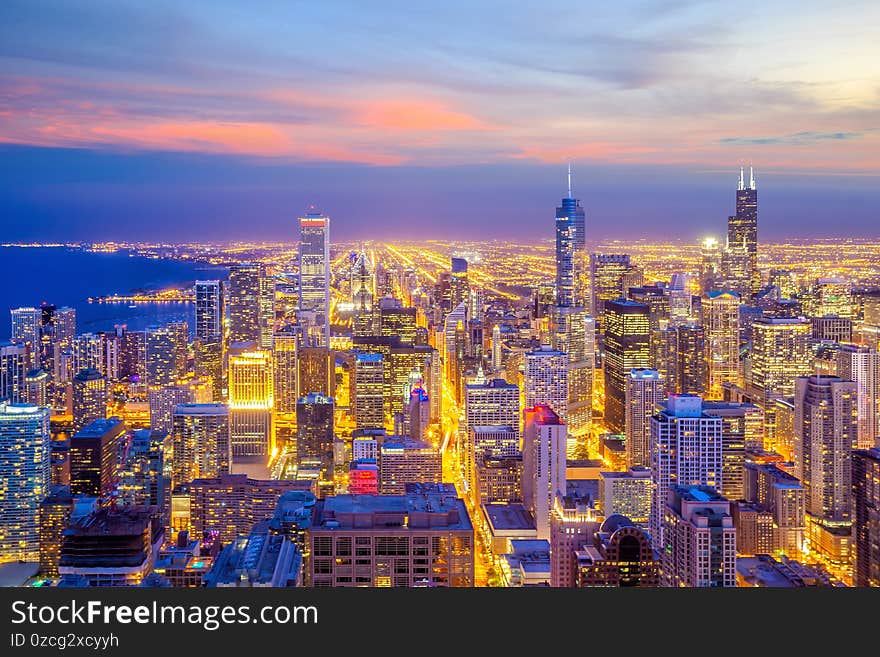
24,478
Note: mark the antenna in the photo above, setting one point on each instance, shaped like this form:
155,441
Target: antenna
569,180
742,182
751,177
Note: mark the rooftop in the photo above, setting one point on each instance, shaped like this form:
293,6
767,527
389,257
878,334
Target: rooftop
508,517
99,428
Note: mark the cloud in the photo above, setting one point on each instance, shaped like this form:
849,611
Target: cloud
797,138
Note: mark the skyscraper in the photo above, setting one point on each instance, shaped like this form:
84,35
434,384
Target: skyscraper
626,348
200,439
742,228
314,434
691,370
606,276
93,457
687,449
546,380
363,295
459,287
164,399
161,353
368,391
89,398
866,516
210,310
780,354
13,370
861,364
26,324
721,324
742,430
284,356
251,400
244,302
314,275
24,470
570,251
543,464
826,426
575,334
644,390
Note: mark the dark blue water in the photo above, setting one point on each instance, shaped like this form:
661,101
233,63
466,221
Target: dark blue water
67,277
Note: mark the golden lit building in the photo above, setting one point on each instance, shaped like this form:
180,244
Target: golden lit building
721,324
251,401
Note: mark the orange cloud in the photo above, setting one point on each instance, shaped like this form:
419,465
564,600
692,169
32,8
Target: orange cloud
239,138
584,151
401,114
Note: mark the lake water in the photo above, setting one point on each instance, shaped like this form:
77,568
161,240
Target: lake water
68,277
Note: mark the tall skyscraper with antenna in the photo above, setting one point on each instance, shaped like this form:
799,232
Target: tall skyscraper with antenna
742,228
314,275
570,251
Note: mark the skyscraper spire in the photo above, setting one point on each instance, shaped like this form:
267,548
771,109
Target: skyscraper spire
742,180
751,177
569,180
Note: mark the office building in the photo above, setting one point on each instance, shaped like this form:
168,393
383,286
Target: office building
572,524
403,461
699,539
742,228
543,464
145,474
251,401
499,479
25,331
163,401
691,371
546,380
112,547
161,349
260,559
200,438
574,332
831,328
606,280
720,310
24,473
627,347
423,538
861,364
620,555
36,388
710,263
628,494
316,371
571,251
314,276
780,354
687,449
210,310
782,495
368,391
644,390
284,357
314,434
89,398
245,308
93,457
866,516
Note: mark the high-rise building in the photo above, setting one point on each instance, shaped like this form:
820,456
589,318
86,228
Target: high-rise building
782,495
314,275
826,426
644,390
244,302
620,555
832,328
24,470
363,295
145,473
161,353
493,403
742,430
266,308
89,398
546,380
628,494
687,449
418,413
721,325
210,363
691,370
742,228
316,371
780,354
428,529
575,334
210,310
404,461
284,356
163,401
93,457
314,434
36,388
499,479
368,391
866,516
200,440
544,464
26,323
627,347
230,505
680,300
710,263
55,512
572,524
571,251
699,544
459,288
13,370
830,296
606,276
861,364
251,400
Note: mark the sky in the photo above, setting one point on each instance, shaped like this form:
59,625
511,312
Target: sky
214,120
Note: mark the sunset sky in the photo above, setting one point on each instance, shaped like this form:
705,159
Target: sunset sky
224,119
